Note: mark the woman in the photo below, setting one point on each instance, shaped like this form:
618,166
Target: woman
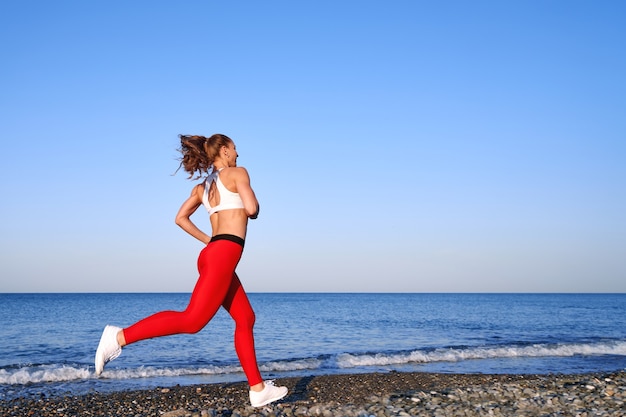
230,201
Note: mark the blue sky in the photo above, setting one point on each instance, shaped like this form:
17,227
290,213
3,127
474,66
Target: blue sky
403,146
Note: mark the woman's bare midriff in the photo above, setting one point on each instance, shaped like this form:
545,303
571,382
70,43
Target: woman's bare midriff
231,222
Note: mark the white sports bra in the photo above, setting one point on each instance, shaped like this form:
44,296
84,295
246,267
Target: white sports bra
228,199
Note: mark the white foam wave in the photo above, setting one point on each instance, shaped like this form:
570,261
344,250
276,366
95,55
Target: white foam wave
63,373
152,372
286,366
51,373
347,360
44,373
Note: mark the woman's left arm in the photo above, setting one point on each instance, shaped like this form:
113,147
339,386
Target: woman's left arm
187,209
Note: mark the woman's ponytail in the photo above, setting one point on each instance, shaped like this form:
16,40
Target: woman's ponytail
199,152
194,159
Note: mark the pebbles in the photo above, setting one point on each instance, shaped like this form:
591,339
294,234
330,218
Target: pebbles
363,395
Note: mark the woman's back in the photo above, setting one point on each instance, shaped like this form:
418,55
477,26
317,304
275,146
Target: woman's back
225,203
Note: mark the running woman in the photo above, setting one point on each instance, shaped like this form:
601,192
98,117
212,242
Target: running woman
228,197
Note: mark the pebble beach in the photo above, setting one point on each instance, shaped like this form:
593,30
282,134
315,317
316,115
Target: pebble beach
373,394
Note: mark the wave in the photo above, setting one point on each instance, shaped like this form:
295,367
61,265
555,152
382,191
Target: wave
42,373
33,374
347,360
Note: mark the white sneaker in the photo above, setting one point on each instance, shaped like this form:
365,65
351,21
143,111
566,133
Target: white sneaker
108,349
269,394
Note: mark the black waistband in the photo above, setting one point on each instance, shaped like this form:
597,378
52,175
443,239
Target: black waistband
232,238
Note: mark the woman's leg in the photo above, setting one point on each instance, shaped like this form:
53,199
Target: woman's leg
239,308
238,305
216,264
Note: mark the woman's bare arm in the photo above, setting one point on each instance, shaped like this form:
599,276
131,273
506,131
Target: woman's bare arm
242,183
187,209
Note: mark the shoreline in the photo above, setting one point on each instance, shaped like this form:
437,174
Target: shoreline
370,394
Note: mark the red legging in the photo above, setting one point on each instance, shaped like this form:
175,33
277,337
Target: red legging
218,286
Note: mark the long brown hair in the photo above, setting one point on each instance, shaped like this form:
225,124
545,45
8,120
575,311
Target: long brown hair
199,152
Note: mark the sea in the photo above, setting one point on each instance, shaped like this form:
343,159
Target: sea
48,341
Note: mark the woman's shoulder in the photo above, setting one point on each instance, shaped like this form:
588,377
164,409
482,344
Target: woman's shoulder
198,190
234,172
232,176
